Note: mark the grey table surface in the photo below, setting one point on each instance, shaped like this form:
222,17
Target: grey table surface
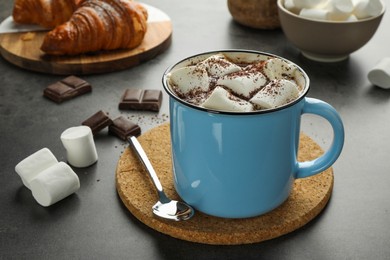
94,224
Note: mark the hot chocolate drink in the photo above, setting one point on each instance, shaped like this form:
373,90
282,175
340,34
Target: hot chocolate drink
235,119
237,83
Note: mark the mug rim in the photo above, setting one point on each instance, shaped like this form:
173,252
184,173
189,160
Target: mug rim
173,95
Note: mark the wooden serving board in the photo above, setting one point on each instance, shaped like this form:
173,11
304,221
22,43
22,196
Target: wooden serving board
27,54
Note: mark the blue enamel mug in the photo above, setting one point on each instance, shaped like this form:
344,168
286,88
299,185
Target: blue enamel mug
243,164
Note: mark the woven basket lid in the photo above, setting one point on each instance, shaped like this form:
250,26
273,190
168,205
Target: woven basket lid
259,14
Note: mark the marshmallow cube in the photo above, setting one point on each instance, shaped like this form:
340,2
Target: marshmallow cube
351,18
80,146
243,84
289,5
220,99
190,78
317,14
218,66
31,166
275,94
277,69
305,4
380,74
368,8
340,10
54,184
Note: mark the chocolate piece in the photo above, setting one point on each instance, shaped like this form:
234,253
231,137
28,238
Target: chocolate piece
138,99
98,121
67,88
123,128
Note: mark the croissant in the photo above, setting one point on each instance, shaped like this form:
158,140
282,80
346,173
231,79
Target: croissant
98,25
47,13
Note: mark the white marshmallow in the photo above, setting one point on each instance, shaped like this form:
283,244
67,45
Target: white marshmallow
54,184
300,79
278,69
189,78
340,10
289,5
316,14
221,99
351,18
380,74
31,166
306,4
79,145
243,57
218,66
243,83
276,93
368,8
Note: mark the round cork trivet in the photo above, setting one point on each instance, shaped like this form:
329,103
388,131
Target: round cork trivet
307,199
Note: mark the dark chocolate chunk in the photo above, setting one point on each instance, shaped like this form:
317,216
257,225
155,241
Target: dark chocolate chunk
67,88
139,99
124,128
98,121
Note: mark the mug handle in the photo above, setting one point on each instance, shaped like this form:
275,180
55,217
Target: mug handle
320,164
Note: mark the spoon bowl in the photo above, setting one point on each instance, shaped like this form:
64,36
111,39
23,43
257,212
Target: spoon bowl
164,208
174,210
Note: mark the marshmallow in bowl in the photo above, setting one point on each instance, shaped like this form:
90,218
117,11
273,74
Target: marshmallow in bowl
368,8
335,10
302,4
243,82
339,10
221,99
276,93
189,78
351,18
290,5
32,165
318,14
54,184
380,74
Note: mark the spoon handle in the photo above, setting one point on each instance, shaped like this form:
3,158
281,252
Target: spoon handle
145,161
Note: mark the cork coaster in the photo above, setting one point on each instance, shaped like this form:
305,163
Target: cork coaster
307,199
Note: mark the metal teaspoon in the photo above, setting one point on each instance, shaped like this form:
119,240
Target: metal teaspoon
165,207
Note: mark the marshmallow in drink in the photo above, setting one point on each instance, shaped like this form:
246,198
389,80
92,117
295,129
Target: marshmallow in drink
299,79
243,83
190,78
277,69
380,74
221,99
218,66
276,93
80,146
243,58
54,184
316,14
31,166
